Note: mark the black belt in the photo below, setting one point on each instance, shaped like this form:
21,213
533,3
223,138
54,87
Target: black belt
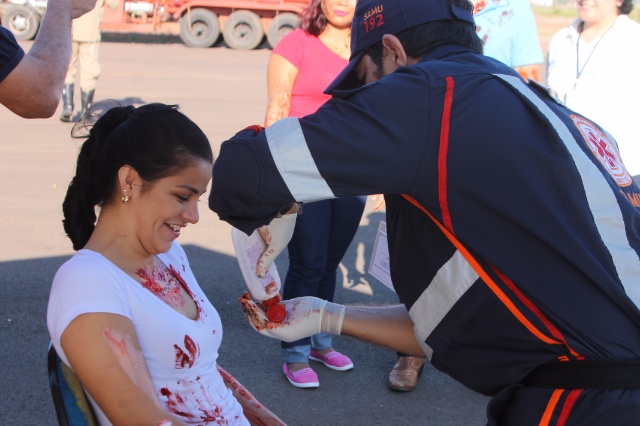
586,374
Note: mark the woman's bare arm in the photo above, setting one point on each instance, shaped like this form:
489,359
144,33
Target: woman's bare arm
254,411
281,74
105,354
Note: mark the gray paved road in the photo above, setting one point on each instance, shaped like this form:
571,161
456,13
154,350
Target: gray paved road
223,91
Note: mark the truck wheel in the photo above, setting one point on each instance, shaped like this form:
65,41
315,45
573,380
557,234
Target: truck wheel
22,21
199,28
243,30
280,26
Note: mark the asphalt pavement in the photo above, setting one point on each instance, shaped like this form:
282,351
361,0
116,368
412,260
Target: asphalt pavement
222,90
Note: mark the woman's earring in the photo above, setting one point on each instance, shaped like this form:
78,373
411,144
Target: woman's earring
126,197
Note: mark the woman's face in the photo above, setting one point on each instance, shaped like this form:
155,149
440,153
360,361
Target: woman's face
339,13
598,11
163,208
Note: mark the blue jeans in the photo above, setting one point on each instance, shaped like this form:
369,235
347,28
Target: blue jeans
322,235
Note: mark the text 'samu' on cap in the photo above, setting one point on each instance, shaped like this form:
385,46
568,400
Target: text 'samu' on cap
375,18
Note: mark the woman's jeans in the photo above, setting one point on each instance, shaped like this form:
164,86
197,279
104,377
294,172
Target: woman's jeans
322,235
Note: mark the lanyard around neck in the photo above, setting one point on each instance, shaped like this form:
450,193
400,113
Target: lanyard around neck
580,29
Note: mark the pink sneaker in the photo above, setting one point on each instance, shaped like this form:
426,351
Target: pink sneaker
305,378
334,360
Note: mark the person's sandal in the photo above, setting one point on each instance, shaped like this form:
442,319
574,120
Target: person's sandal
305,378
404,376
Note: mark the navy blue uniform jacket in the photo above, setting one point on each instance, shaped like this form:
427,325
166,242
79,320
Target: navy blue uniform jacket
543,213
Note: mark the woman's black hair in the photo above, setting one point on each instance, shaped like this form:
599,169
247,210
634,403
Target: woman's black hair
155,139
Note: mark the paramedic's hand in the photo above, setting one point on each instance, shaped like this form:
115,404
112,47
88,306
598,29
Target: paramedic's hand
276,236
306,316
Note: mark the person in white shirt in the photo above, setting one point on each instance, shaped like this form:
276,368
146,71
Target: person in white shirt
591,65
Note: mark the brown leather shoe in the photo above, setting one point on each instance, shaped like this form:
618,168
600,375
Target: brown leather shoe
404,376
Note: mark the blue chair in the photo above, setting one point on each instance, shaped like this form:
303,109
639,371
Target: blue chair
71,403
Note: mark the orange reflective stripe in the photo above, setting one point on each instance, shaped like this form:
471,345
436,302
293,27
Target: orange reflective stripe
486,278
548,412
534,309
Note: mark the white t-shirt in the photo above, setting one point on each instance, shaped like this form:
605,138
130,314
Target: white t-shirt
181,353
607,90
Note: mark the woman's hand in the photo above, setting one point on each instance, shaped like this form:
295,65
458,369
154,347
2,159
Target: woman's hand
256,413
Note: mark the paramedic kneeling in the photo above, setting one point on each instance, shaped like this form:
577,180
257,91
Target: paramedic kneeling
513,225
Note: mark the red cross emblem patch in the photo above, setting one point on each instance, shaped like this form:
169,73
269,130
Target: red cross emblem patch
604,150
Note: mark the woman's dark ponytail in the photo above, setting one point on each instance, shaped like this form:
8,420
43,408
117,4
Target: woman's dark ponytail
78,207
91,185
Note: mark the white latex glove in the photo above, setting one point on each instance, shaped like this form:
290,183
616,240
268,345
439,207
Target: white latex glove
306,316
276,236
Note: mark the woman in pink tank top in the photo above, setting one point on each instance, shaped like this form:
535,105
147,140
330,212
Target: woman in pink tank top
301,66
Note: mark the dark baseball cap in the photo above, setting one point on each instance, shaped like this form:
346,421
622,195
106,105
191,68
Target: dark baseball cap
375,18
